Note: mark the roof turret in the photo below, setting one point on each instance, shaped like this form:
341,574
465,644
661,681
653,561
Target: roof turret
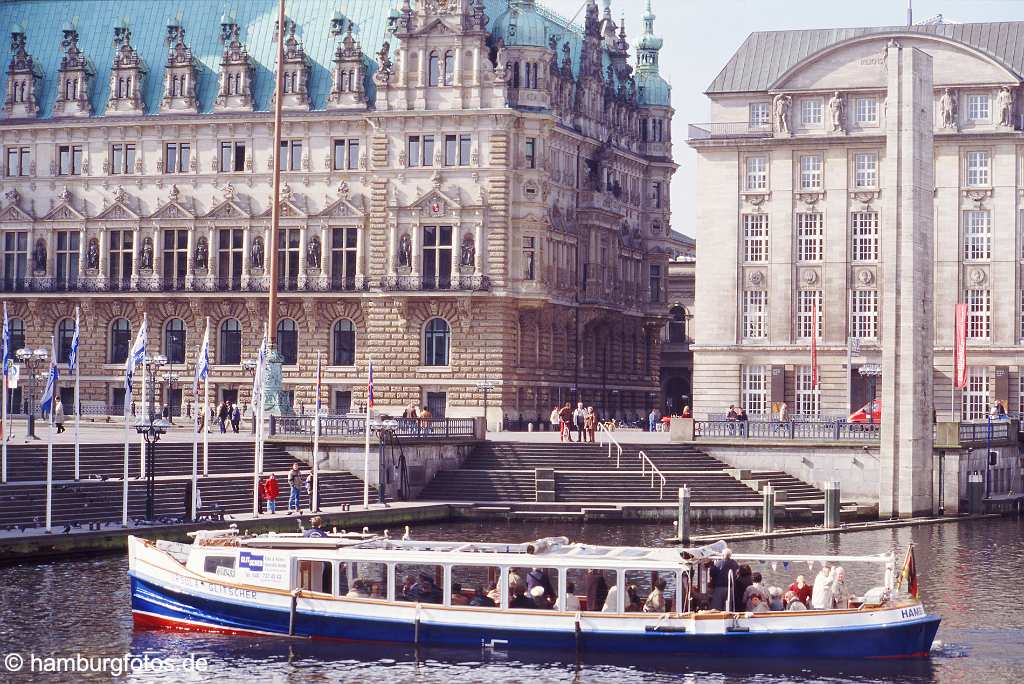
521,25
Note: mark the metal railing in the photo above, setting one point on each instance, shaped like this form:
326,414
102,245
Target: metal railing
604,431
790,429
707,131
645,464
353,426
994,430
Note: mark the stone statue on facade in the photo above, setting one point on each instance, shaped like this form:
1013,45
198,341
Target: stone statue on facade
948,107
837,107
385,68
147,253
313,253
405,250
783,104
202,253
1004,105
39,256
92,254
256,253
468,252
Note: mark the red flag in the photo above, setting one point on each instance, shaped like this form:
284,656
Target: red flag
814,345
960,347
909,573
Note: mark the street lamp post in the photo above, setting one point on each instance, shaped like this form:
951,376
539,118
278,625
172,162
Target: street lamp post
485,386
249,366
33,360
150,426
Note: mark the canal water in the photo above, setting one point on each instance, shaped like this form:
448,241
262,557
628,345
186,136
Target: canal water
970,574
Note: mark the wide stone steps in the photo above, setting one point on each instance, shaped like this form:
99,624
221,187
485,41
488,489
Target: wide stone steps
583,457
630,487
796,490
480,485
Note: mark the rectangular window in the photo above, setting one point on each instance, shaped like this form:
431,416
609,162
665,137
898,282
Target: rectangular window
15,260
655,277
412,152
760,114
807,324
808,397
754,390
465,149
755,237
344,252
865,173
70,158
864,314
864,231
977,235
353,154
19,161
437,257
175,259
122,158
810,236
811,111
119,263
979,314
975,396
978,168
529,258
978,107
810,172
230,257
421,150
755,314
757,174
531,153
67,259
288,242
177,157
232,157
656,194
290,158
865,111
457,150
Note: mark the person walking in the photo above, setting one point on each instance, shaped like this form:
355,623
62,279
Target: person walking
564,423
295,487
58,415
236,418
590,424
652,420
271,489
554,419
579,418
222,416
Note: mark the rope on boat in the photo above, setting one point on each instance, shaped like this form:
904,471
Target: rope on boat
579,633
291,613
416,631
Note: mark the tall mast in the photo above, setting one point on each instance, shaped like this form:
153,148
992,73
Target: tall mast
275,211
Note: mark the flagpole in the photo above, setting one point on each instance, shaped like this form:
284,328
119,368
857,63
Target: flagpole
49,440
315,496
3,410
195,452
145,416
206,426
124,493
78,402
366,453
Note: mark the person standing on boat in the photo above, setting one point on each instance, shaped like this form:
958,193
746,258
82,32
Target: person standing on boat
597,590
802,590
723,572
821,593
270,491
316,528
538,577
655,602
840,590
295,485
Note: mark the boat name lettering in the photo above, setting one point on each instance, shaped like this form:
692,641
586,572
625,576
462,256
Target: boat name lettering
219,589
250,561
916,611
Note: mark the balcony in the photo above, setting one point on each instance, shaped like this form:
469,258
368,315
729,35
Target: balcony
410,283
738,129
184,284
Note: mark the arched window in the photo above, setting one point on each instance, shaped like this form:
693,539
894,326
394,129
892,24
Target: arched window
343,343
65,333
174,341
433,70
533,75
449,68
229,348
288,341
515,75
16,326
677,325
120,339
436,342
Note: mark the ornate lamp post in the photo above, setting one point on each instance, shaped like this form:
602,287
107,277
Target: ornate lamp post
249,366
151,427
33,360
485,386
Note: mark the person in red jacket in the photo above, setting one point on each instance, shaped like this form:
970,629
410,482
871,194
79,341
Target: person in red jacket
270,491
802,590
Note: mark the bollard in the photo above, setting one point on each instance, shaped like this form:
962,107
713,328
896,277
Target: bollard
831,505
975,493
683,517
768,510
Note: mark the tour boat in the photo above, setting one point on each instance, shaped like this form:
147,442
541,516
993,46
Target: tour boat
357,587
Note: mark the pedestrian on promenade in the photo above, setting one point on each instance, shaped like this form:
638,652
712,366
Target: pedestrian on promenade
58,415
188,409
732,415
554,419
309,491
165,412
236,418
261,496
652,420
295,487
590,424
222,416
133,409
425,417
565,423
271,489
579,418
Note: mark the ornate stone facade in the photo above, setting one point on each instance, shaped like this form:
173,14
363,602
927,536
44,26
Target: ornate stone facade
534,230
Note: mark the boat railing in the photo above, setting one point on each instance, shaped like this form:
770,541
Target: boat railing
606,434
647,464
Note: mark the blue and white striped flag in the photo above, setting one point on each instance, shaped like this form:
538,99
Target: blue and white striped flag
46,405
6,341
202,363
257,378
135,357
73,354
319,383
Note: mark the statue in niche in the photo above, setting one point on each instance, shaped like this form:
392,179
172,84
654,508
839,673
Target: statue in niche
256,253
147,253
202,253
468,251
948,107
313,253
92,254
39,255
405,250
1004,105
783,104
837,106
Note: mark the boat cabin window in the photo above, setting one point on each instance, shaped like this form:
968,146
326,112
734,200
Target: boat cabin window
362,580
596,590
532,588
316,575
220,565
419,583
476,586
650,591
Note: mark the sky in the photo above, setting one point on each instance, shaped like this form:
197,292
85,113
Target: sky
701,35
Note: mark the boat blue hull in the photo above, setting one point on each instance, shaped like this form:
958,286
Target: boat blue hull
156,606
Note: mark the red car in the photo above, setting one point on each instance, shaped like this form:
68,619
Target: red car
871,412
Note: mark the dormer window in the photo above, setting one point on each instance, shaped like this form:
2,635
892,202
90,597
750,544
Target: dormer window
236,70
349,69
179,72
124,87
125,75
295,70
22,73
74,76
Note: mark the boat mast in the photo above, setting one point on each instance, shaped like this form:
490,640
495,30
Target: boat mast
275,210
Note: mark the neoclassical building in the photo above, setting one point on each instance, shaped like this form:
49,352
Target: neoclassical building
794,194
472,190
